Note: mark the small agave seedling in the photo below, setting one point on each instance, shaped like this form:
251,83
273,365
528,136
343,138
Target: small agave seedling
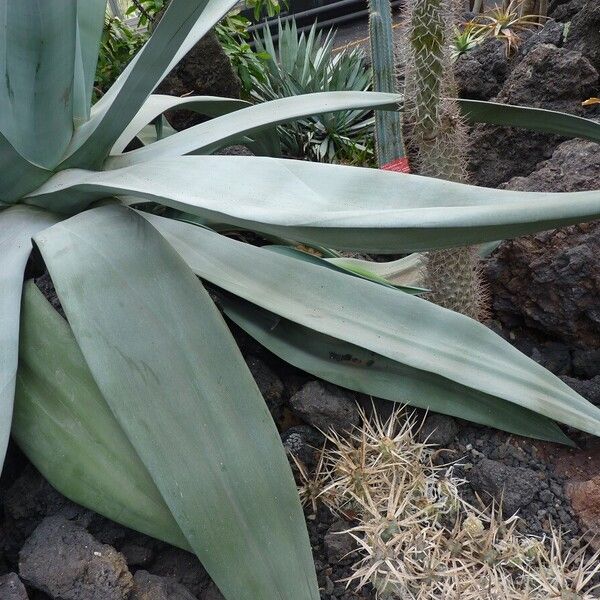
139,405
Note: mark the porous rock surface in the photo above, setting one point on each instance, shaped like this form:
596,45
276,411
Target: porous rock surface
325,406
65,561
489,459
547,77
12,588
152,587
546,287
338,543
584,31
182,567
481,72
438,429
212,593
513,487
585,499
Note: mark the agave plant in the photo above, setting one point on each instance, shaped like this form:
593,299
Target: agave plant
307,63
139,405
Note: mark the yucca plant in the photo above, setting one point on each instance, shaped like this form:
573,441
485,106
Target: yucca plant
139,405
303,63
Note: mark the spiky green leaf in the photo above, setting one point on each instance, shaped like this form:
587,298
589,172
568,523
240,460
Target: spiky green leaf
176,382
66,429
37,61
364,371
340,207
17,226
208,137
398,326
90,21
158,104
533,119
184,23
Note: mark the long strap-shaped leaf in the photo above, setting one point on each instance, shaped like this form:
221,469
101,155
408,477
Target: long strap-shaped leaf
175,380
90,21
208,137
534,119
64,426
17,226
37,60
222,131
341,207
158,104
361,370
399,326
184,23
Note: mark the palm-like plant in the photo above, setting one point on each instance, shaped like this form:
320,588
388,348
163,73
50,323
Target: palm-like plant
141,407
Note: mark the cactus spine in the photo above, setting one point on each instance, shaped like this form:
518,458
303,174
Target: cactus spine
440,141
388,125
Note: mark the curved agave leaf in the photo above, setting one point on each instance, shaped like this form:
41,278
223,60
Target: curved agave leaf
37,57
353,367
407,271
19,176
341,207
174,378
398,326
158,104
65,427
266,143
90,21
184,23
363,271
17,225
534,119
208,137
150,134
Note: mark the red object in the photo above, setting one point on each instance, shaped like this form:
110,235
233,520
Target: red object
399,166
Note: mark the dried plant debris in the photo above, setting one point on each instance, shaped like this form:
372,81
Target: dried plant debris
418,539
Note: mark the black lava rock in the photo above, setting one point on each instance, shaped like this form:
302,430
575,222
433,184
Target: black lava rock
514,487
151,587
326,406
12,588
65,561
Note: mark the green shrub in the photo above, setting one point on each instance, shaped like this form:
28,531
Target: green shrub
250,66
118,45
303,64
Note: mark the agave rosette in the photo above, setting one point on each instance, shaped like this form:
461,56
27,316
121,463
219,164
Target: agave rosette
141,406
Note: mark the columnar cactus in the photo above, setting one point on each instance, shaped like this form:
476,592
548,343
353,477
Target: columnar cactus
388,124
440,141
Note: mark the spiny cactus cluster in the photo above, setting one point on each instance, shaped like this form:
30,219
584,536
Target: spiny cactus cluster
418,539
439,140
